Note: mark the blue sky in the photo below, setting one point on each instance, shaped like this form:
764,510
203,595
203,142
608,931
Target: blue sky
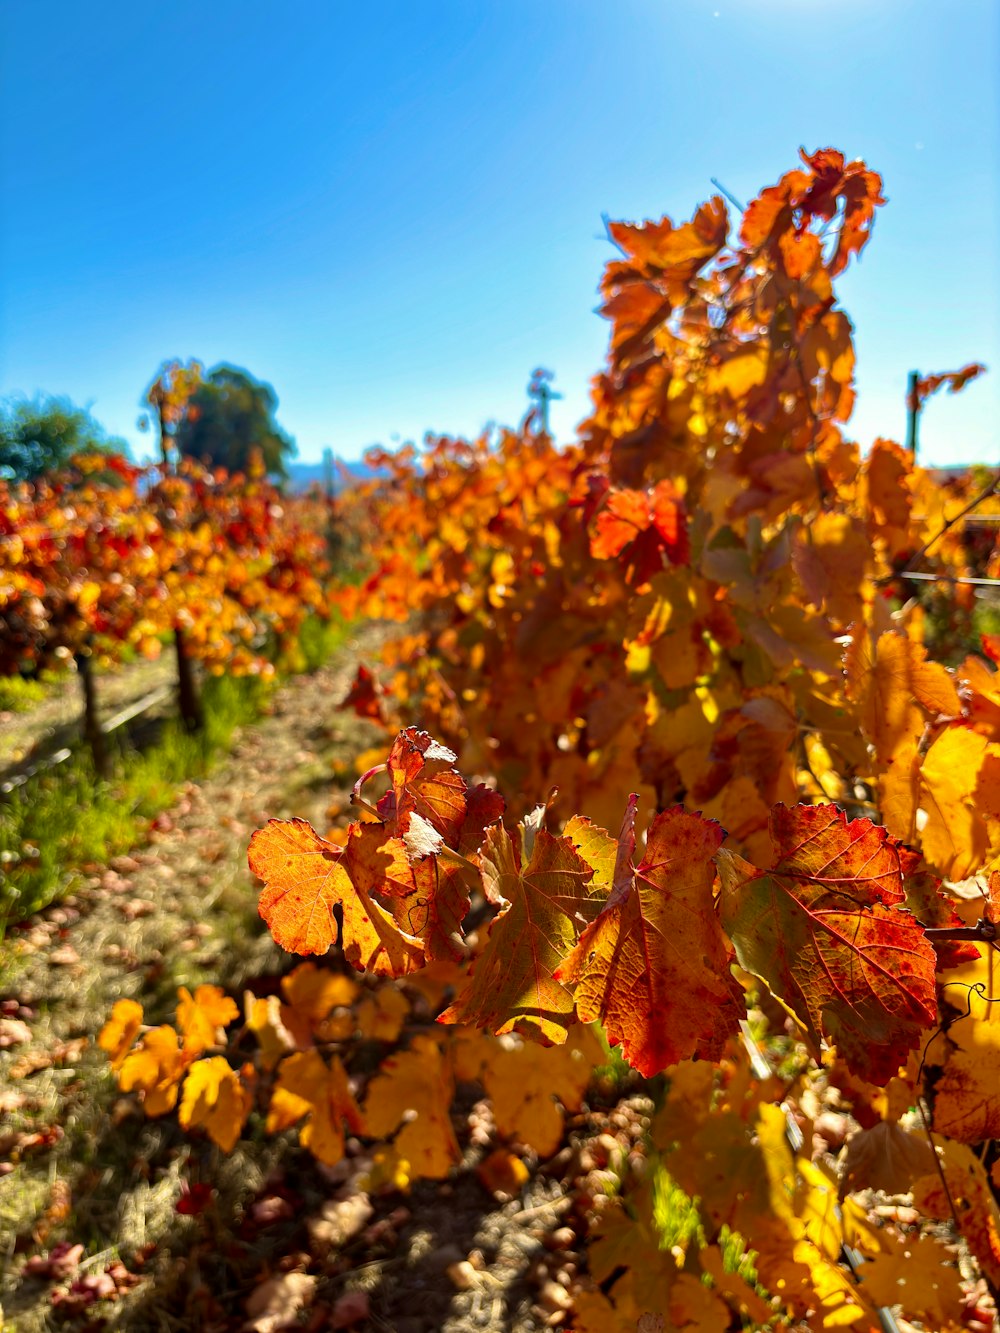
394,213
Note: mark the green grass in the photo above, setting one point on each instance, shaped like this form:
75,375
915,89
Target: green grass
678,1223
18,694
66,818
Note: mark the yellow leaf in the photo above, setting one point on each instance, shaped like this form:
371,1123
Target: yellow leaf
523,1082
263,1018
381,1016
692,1306
306,1086
739,374
311,993
918,1273
215,1100
201,1016
415,1088
967,1094
155,1068
954,839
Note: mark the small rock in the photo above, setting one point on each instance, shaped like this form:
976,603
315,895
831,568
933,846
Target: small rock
554,1296
462,1276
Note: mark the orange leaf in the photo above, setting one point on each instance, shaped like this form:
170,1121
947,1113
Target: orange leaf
889,683
823,929
654,966
427,804
120,1031
365,696
306,877
969,1191
644,531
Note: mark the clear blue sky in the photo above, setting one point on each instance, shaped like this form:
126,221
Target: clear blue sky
394,213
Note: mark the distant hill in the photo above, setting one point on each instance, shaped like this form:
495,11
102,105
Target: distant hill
303,475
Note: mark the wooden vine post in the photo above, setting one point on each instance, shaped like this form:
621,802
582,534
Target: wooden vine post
91,722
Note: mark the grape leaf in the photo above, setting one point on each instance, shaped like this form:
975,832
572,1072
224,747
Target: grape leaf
823,929
523,1081
311,993
306,1086
200,1016
365,696
542,889
427,803
215,1099
917,1273
654,965
120,1031
156,1068
416,1081
643,531
305,877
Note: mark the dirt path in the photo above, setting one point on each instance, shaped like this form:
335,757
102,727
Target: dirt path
182,911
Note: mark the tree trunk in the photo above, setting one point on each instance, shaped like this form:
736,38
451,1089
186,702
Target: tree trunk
187,692
91,722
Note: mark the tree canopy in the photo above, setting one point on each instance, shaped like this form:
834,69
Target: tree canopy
228,416
41,434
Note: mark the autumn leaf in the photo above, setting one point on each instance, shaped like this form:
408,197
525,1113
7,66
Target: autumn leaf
885,1157
654,966
263,1019
311,993
201,1017
954,839
427,803
215,1100
530,1087
954,380
895,689
822,927
542,890
365,697
966,1190
414,1088
307,1086
155,1068
966,1100
918,1274
120,1031
382,1014
306,877
643,531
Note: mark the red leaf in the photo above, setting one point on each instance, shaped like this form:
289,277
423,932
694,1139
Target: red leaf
822,927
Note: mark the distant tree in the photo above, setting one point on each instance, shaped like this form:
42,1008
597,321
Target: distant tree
229,416
40,435
168,397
